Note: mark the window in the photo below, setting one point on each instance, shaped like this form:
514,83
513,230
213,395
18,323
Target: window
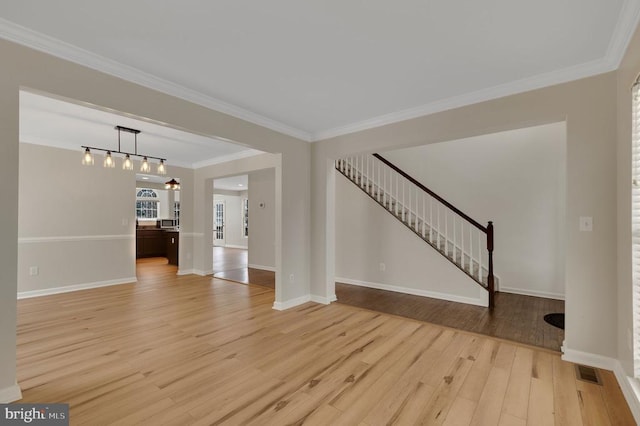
635,220
147,204
245,218
176,212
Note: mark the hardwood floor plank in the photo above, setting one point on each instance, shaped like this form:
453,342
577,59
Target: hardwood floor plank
491,400
617,407
461,412
565,394
516,401
592,406
196,350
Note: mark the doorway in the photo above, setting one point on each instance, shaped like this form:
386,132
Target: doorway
219,209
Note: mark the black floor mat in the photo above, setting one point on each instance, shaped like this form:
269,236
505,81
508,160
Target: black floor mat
556,320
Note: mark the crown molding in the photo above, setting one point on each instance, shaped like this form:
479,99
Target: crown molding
625,27
519,86
43,43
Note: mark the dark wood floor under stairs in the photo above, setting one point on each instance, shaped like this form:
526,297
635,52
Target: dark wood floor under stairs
515,317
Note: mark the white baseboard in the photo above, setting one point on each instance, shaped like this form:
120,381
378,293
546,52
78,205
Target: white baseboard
236,246
323,300
10,394
527,292
630,389
193,272
264,268
586,358
75,287
416,292
281,306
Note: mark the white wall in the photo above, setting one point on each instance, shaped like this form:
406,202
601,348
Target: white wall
262,234
367,235
76,223
233,217
514,178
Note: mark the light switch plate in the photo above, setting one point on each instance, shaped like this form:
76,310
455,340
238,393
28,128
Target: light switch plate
586,223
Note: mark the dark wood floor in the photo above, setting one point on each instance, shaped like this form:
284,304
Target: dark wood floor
515,317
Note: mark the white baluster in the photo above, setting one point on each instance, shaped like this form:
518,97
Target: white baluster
397,191
446,231
480,255
379,176
424,212
454,237
384,185
462,244
403,203
410,197
438,228
431,219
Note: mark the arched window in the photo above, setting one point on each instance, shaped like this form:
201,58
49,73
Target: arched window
147,204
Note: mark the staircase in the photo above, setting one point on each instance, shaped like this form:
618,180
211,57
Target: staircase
463,241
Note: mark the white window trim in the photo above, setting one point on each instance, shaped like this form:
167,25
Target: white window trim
635,221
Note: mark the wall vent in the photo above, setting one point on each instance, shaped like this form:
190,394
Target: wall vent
588,374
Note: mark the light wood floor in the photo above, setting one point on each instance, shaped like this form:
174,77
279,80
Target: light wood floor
515,317
198,350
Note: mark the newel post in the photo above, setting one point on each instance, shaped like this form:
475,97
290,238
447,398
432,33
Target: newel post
490,279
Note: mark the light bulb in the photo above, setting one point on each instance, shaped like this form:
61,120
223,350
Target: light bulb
127,164
108,161
145,168
87,158
162,170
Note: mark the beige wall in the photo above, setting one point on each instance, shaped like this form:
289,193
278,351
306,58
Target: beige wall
589,108
76,223
627,74
262,234
23,67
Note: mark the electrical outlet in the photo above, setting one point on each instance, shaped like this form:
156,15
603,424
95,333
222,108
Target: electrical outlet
383,267
125,221
291,278
586,223
33,270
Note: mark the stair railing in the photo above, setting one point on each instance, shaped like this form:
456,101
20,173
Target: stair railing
452,232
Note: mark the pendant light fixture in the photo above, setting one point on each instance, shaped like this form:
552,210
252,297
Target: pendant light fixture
87,158
172,184
127,163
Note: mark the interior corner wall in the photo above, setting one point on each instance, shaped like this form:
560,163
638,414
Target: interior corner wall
76,223
262,234
515,179
589,108
627,74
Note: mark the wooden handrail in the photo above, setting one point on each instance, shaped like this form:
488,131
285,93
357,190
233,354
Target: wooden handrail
430,192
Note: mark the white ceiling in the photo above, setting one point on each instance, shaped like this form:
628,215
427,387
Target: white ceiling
233,183
52,122
319,68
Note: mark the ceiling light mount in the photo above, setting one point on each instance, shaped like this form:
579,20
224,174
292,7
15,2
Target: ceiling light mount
87,158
